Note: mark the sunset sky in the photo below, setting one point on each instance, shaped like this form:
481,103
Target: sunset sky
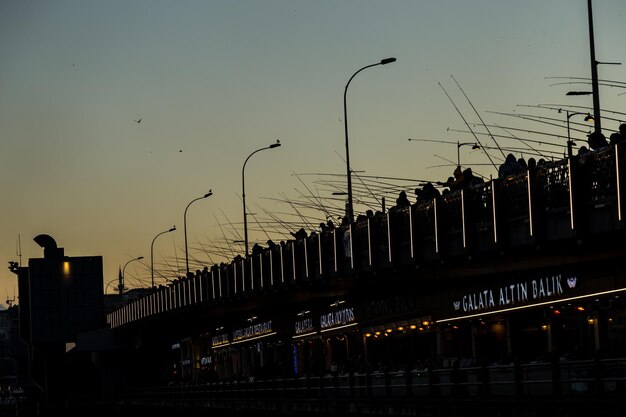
212,81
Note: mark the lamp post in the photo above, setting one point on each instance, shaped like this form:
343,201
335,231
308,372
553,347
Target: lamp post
570,143
458,150
594,71
152,251
122,278
210,193
345,121
243,191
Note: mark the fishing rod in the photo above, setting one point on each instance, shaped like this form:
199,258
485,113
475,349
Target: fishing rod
309,190
509,137
587,83
477,114
313,202
538,119
283,235
584,78
571,106
359,178
559,120
304,220
524,142
574,108
467,124
455,164
537,132
223,253
230,248
205,251
535,152
273,222
260,226
235,230
301,204
362,176
386,189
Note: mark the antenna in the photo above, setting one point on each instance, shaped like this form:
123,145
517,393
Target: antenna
18,250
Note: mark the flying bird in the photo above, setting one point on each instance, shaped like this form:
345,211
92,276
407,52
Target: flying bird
138,121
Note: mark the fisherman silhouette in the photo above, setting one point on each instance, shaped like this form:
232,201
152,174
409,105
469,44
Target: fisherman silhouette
596,141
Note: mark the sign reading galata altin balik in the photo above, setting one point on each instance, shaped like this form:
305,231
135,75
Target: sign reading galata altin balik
518,293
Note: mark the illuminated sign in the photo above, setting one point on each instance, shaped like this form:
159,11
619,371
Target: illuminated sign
337,318
219,340
206,360
304,326
514,294
253,330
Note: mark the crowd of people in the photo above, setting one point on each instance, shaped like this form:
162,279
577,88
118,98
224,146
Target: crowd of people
463,178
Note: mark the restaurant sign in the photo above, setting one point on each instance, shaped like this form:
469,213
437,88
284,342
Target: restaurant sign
253,330
219,340
337,318
524,292
304,326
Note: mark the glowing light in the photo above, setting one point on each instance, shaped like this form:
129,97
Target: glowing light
377,333
400,328
544,327
580,308
389,330
368,334
66,268
412,327
425,323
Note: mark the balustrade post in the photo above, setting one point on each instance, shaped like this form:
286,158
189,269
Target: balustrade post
597,374
387,383
433,383
484,380
519,375
408,381
351,384
556,376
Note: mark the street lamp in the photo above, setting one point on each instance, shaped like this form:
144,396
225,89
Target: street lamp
345,121
122,278
152,251
570,143
210,193
243,191
458,150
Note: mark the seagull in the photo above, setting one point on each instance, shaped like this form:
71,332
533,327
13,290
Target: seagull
138,121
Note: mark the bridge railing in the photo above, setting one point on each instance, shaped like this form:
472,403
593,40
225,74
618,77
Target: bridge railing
571,198
587,378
